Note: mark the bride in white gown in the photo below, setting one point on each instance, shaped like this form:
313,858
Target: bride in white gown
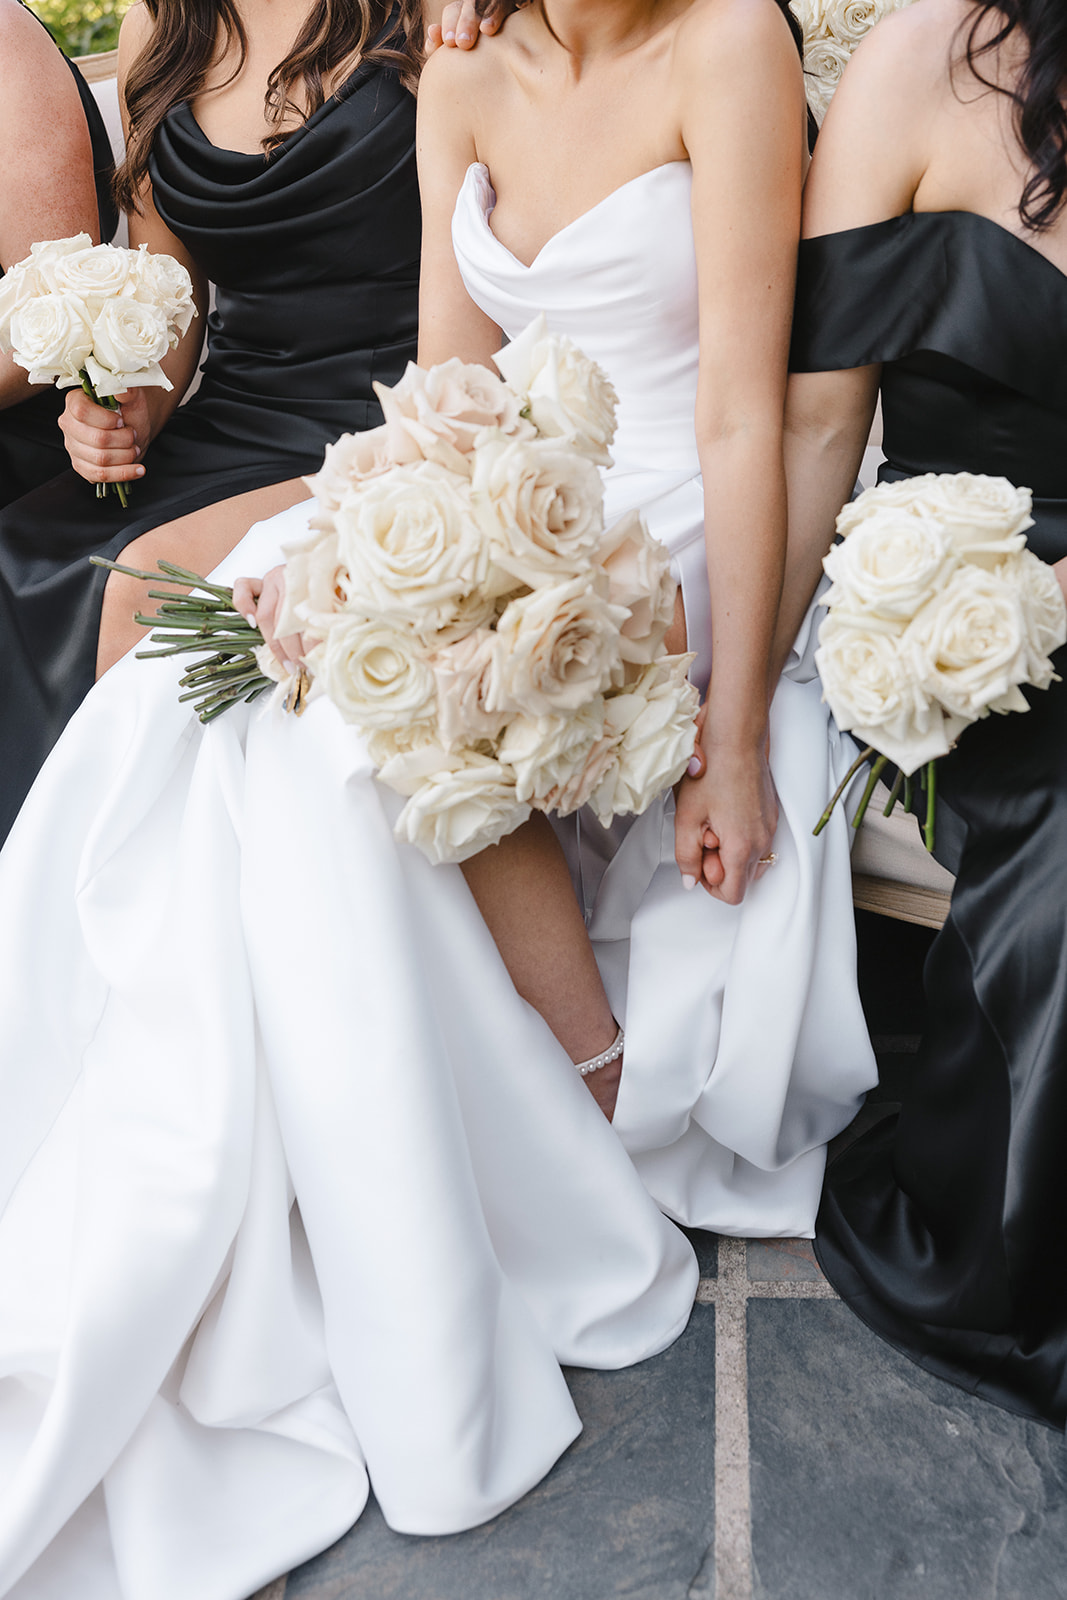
223,987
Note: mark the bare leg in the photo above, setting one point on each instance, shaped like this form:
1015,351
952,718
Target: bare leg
524,892
200,541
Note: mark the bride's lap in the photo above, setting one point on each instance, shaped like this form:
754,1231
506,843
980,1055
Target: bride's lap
199,541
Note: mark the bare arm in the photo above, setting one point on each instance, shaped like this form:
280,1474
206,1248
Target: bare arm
870,158
48,190
743,126
105,445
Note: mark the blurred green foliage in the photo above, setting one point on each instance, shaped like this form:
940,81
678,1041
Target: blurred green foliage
82,27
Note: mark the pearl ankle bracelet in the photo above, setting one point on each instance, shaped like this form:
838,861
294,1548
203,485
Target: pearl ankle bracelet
612,1053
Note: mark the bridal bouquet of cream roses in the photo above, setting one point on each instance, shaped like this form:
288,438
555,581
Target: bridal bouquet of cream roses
97,315
937,613
832,29
464,605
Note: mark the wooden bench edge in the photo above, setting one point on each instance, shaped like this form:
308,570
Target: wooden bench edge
904,901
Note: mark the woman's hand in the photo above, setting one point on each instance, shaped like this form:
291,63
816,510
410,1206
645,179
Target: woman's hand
725,821
105,446
463,20
260,601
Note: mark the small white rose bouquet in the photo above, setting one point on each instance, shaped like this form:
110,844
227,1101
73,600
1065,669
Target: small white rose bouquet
937,613
466,608
97,315
832,29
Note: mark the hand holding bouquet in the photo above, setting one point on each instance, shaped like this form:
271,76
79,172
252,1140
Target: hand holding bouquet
937,614
97,315
467,609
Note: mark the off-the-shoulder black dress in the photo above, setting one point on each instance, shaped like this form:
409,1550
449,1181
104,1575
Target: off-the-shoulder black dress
315,256
31,445
943,1227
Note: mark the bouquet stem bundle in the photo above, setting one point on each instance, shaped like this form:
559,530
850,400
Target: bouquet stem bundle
109,403
206,620
901,784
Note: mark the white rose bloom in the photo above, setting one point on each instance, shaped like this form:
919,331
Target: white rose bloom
45,255
94,275
558,761
985,518
566,395
161,281
129,341
374,674
466,804
392,744
443,410
540,507
355,457
410,545
969,645
849,20
639,578
18,286
891,565
1044,614
52,337
461,671
655,733
905,495
870,683
555,650
825,60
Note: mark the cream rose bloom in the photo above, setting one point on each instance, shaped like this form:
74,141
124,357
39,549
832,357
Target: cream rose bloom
45,255
825,60
1044,614
52,337
374,674
880,497
870,685
129,341
566,395
410,545
540,507
655,733
890,565
985,518
462,672
95,274
315,585
353,458
164,282
555,650
969,646
639,578
444,409
559,761
19,285
461,802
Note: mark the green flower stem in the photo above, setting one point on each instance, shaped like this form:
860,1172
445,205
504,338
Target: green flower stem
909,792
931,800
894,793
863,756
865,800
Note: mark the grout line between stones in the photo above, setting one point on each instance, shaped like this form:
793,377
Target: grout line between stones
733,1510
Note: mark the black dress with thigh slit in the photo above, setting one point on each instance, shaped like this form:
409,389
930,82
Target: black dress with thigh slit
314,253
943,1227
31,445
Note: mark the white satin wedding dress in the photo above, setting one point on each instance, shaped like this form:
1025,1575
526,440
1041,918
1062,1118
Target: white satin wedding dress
223,985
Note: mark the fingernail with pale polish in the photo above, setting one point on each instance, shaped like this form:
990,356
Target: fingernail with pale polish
694,766
250,618
450,35
688,882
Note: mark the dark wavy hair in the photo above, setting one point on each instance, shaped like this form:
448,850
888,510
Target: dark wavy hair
1040,118
185,41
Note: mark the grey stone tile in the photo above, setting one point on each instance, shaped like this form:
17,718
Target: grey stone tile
706,1246
872,1480
627,1512
776,1260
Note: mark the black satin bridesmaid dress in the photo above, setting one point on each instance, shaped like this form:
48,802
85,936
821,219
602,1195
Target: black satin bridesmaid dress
31,445
944,1226
314,253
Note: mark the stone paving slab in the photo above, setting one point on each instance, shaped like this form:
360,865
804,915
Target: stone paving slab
628,1511
872,1480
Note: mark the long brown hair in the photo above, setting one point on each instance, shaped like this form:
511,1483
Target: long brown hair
184,44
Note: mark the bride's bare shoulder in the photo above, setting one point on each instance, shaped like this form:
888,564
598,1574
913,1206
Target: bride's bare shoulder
726,43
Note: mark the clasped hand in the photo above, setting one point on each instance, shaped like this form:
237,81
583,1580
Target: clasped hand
106,446
726,817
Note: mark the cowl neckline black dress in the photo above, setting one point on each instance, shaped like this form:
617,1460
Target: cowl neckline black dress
314,254
31,446
942,1227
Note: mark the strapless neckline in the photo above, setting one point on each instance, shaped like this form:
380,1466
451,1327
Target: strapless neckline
480,169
